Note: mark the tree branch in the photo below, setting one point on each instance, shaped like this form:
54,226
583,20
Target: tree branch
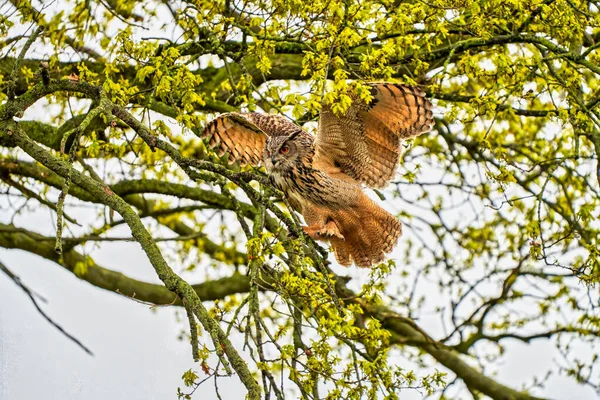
171,280
129,190
12,237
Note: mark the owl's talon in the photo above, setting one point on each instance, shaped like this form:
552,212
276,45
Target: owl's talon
329,234
328,231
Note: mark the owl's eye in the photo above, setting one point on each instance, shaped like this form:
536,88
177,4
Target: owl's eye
284,149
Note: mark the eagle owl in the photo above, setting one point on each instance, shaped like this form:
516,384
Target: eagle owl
322,175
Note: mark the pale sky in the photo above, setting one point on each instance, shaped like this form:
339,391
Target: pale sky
136,351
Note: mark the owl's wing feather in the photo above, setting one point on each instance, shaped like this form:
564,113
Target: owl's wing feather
243,136
365,142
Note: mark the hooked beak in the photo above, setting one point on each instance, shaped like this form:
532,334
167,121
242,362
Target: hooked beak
273,161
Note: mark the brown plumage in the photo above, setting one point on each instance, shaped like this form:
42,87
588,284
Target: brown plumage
322,175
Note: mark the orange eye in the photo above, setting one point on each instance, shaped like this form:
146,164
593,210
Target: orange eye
284,149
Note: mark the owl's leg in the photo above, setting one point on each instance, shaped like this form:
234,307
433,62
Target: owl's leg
312,231
315,217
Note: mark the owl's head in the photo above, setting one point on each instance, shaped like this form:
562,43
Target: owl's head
284,152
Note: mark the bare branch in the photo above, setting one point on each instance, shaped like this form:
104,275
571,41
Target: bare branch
32,297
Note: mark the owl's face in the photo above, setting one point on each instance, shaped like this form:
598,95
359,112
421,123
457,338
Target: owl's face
281,153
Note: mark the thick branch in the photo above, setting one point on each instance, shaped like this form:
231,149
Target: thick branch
12,237
171,280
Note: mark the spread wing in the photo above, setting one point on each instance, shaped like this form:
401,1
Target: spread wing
243,136
365,143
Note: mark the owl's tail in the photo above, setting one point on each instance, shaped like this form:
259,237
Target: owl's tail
369,233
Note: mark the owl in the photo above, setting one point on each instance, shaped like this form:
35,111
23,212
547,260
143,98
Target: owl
323,176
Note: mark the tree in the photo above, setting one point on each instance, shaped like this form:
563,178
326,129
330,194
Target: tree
499,203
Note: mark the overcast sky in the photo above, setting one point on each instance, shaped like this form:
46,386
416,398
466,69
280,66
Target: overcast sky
137,353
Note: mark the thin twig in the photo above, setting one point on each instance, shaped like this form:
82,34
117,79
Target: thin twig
12,82
31,194
104,107
31,296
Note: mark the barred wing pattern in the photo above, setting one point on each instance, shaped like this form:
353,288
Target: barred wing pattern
243,136
365,143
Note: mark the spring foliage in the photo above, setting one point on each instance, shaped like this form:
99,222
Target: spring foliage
500,202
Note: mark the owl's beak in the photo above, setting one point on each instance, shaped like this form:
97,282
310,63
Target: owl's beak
273,160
